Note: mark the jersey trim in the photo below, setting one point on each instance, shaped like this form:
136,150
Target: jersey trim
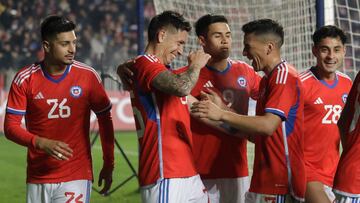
21,77
228,66
282,74
49,77
343,75
15,111
164,191
88,68
346,193
158,123
106,109
306,75
88,191
277,112
291,118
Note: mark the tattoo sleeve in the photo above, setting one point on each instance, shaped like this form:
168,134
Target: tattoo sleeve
177,84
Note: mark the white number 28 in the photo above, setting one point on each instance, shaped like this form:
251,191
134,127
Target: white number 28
333,113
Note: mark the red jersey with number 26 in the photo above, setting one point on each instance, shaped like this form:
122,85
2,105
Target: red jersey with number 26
279,158
58,109
163,126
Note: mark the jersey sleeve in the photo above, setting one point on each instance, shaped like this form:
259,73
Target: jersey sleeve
99,101
283,94
17,99
146,68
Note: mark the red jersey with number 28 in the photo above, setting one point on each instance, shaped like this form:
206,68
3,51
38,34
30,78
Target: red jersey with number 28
322,108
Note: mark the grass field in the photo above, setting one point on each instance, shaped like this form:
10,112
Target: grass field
13,170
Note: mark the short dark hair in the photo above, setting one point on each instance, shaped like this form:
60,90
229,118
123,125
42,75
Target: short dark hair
53,25
203,23
328,31
263,27
164,19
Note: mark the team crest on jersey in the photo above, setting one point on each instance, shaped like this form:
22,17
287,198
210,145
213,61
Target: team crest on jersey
242,81
75,91
344,97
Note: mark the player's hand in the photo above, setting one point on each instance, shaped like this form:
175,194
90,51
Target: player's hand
206,109
57,149
106,175
125,74
212,96
198,59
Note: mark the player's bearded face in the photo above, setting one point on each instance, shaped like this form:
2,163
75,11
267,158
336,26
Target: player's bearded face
218,41
62,48
173,45
330,53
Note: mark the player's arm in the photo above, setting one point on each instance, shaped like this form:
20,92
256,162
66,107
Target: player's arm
182,84
106,131
215,124
14,132
262,125
125,74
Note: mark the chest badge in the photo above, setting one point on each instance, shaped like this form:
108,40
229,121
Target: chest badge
75,91
344,97
242,81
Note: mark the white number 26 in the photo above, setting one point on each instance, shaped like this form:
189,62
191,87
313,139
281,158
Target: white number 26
58,110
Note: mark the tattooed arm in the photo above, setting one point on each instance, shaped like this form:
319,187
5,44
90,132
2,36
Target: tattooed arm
182,84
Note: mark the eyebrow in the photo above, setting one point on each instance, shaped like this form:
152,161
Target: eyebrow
214,33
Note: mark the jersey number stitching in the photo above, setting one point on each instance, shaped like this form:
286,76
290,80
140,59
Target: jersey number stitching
332,115
63,110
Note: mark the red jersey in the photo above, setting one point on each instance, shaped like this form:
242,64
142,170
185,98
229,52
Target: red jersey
163,126
217,154
58,109
323,104
347,178
279,159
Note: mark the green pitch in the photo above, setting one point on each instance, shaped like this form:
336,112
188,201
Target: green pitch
13,171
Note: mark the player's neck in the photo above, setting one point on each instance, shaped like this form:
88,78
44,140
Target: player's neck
271,63
54,69
219,65
155,50
325,75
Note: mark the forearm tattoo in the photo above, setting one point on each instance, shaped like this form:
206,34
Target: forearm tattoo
177,84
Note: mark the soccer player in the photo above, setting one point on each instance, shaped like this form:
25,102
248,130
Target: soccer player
277,130
347,178
56,96
325,93
167,171
221,159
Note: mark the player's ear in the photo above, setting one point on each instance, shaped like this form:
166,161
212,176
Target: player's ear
314,50
46,46
161,35
270,47
201,40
